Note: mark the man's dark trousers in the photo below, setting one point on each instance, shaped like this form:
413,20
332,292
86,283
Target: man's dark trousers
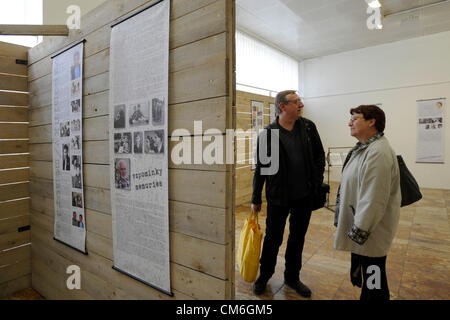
275,223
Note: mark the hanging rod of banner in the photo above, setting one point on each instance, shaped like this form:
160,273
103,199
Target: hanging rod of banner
136,13
68,48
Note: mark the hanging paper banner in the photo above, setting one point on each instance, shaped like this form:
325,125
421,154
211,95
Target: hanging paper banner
139,81
67,132
430,131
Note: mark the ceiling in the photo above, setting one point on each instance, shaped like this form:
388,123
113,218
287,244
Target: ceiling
312,28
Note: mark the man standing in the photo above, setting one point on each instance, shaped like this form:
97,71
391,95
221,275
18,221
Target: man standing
66,158
75,70
80,222
288,190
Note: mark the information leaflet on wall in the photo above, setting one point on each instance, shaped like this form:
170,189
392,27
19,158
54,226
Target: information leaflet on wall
67,106
139,79
272,112
430,131
257,126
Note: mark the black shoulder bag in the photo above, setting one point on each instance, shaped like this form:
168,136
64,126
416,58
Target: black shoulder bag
408,185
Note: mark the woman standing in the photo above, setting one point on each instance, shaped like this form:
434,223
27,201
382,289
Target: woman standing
368,203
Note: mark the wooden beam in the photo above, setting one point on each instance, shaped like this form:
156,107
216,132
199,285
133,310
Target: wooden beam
33,30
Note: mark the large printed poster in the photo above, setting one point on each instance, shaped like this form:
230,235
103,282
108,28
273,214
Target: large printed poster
139,79
67,106
430,131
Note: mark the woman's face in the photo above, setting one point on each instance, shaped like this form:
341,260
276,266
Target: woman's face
359,126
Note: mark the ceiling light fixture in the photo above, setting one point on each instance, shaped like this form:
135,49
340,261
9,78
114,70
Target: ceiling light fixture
374,4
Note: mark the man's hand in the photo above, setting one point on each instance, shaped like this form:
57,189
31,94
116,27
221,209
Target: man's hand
256,208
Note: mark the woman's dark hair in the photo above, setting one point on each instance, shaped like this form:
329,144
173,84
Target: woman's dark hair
372,112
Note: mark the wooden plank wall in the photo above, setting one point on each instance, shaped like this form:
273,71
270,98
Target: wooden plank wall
200,196
15,249
244,172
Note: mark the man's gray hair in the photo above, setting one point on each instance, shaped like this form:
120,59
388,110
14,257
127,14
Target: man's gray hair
119,162
281,97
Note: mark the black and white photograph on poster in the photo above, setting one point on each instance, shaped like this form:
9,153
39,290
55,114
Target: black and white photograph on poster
122,143
76,161
75,105
76,178
122,174
154,142
430,131
75,125
64,129
75,88
65,157
67,146
119,116
137,142
75,69
138,114
139,183
157,111
75,143
77,199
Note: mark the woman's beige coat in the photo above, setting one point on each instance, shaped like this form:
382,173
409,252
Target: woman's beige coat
370,199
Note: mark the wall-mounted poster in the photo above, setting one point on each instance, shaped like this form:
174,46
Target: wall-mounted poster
430,130
272,112
139,81
257,125
67,109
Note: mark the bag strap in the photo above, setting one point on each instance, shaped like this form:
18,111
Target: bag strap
253,216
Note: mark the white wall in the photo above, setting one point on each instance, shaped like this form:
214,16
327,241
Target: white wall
396,75
55,10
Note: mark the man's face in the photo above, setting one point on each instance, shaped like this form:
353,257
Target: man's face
293,107
123,170
76,59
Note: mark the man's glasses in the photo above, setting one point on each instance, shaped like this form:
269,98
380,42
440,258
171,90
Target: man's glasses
297,101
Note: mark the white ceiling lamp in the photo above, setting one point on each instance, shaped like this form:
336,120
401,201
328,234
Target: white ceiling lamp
374,3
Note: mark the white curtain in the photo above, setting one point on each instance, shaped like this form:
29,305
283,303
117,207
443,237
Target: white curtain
262,66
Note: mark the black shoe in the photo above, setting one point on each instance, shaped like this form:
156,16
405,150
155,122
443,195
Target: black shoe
299,287
259,286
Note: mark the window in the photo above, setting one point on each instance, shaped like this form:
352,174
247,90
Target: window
21,12
263,69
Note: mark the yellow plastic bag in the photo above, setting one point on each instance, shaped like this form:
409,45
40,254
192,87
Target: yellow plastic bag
249,248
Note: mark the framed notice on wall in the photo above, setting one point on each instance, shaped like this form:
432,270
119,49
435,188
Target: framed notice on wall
272,112
139,80
67,129
257,125
430,130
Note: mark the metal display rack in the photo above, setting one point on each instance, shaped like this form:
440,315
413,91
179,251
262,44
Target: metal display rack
335,159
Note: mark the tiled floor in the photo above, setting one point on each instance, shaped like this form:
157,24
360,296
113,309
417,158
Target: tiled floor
418,264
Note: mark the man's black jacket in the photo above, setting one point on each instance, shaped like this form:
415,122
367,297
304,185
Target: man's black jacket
277,188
